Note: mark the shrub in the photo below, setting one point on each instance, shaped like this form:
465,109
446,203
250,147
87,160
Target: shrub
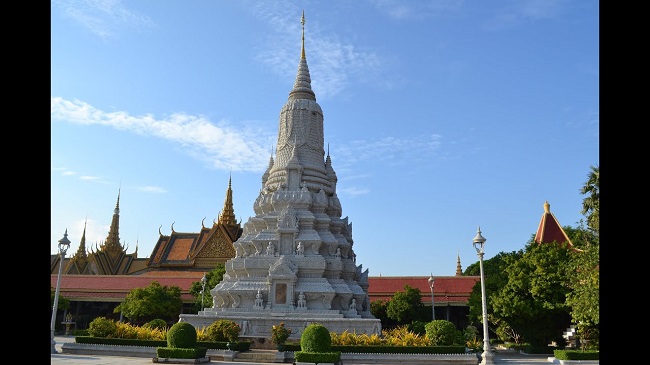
401,336
417,327
222,330
181,335
280,334
316,338
157,323
126,330
442,333
102,327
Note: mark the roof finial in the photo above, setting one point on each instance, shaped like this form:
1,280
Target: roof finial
302,21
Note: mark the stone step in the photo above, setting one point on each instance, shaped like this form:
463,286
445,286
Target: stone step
256,355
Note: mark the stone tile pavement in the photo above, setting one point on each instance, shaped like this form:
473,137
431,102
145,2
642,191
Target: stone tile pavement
501,358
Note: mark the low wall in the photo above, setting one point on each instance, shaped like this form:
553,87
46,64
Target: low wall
287,357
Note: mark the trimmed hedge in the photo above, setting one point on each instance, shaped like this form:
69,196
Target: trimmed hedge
576,354
181,353
239,346
318,357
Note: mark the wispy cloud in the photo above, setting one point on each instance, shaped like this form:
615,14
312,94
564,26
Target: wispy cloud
393,149
224,146
63,171
416,10
93,179
519,12
152,189
103,17
353,191
337,63
237,148
67,172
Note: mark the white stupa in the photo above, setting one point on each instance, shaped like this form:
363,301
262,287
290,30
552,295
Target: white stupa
294,262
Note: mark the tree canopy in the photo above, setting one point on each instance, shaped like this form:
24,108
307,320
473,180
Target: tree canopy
591,202
405,307
213,278
154,301
535,294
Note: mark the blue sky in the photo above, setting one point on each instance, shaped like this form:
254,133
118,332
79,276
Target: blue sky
440,116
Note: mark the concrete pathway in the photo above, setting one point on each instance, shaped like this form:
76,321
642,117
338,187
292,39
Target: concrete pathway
500,358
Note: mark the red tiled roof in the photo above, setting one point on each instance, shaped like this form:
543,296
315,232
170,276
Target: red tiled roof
181,248
454,290
117,287
549,229
446,289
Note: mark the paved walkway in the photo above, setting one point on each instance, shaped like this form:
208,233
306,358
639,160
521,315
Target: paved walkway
501,358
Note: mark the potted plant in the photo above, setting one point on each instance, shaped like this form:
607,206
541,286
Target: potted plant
231,332
279,335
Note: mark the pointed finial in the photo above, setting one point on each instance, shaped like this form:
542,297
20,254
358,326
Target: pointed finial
117,205
302,21
547,207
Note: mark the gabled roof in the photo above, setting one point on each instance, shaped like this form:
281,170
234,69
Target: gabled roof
550,230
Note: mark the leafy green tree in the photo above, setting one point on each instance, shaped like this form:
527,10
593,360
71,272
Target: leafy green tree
155,301
495,279
533,301
213,277
584,269
591,203
584,283
379,309
405,307
63,304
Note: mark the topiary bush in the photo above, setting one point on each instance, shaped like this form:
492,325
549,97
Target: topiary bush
316,345
181,335
316,338
158,323
442,333
102,327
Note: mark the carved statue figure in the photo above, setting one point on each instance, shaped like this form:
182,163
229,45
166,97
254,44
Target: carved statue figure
302,303
259,301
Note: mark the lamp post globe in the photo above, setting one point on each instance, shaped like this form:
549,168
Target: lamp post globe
64,244
433,308
487,357
203,281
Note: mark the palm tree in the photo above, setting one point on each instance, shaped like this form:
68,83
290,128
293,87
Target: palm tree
591,203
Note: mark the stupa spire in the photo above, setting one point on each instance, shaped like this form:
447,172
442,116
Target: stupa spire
113,238
227,216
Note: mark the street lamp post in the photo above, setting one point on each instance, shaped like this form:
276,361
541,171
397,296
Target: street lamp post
433,309
486,357
203,280
64,243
